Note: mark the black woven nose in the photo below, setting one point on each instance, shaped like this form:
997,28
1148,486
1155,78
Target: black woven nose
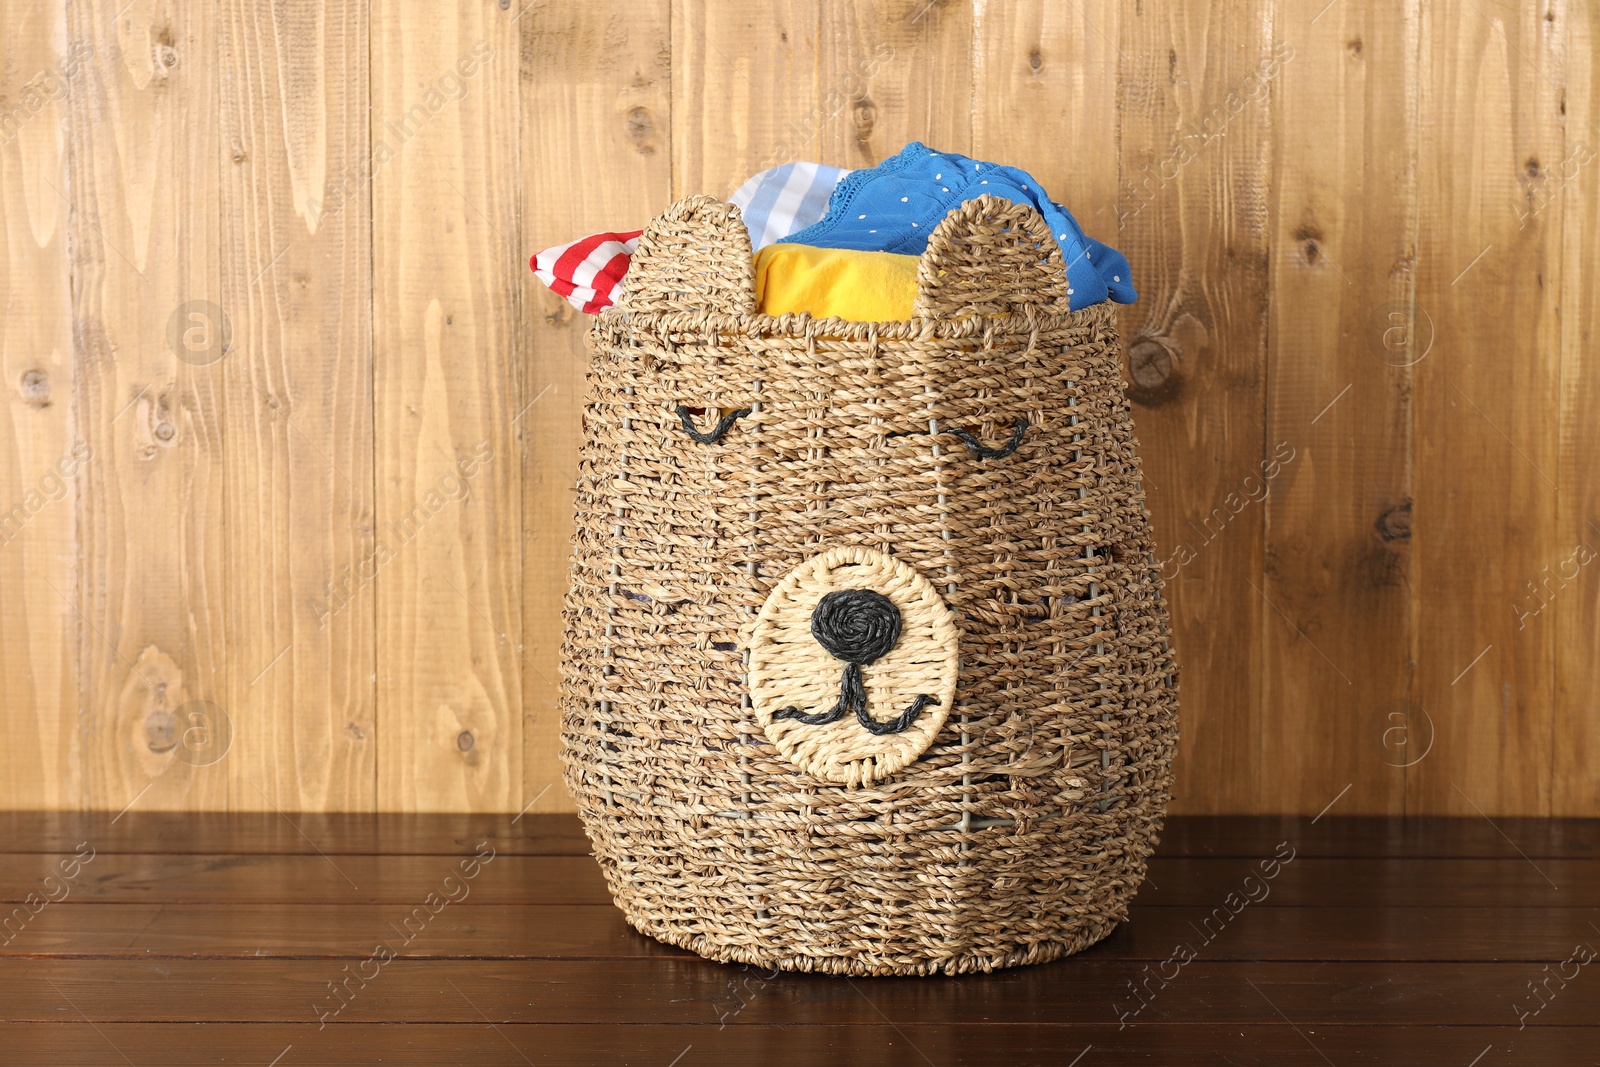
856,625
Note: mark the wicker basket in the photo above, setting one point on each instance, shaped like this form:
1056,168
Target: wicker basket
866,667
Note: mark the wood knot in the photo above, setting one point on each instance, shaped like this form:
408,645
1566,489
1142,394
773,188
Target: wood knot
1035,61
642,128
161,730
1310,240
36,388
1395,524
865,116
1153,372
464,741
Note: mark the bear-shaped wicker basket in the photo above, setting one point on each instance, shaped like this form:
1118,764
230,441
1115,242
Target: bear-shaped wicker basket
866,664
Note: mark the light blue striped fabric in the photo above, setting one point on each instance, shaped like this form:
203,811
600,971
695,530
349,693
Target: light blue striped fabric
785,199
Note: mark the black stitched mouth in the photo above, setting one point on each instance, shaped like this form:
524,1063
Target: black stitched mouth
714,435
979,450
857,626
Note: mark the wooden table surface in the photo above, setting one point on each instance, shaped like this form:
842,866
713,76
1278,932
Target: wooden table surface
327,939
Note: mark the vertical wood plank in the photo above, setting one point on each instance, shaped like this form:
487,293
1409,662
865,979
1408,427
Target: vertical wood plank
1338,533
1048,102
1569,593
858,82
727,120
1486,397
889,72
144,180
1195,208
40,453
594,104
446,326
296,225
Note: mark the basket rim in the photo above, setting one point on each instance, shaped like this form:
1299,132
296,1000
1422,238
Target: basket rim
804,324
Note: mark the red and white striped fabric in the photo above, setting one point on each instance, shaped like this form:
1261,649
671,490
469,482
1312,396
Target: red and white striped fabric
587,271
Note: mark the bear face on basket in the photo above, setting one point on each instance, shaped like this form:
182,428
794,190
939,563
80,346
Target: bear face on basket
873,599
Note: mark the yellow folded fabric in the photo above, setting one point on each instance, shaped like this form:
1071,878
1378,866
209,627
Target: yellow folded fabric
862,286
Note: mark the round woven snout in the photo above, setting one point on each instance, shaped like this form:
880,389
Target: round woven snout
789,667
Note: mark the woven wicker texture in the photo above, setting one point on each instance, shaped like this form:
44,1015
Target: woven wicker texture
1023,829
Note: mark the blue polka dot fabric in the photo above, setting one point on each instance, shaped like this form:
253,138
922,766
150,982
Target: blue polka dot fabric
895,205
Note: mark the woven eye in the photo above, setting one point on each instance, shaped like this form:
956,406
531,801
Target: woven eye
980,451
713,435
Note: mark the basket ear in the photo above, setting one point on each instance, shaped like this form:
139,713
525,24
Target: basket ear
991,257
695,256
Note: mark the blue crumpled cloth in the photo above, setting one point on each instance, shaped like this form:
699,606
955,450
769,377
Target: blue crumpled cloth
894,206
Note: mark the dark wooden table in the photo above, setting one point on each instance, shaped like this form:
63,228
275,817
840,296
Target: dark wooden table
200,939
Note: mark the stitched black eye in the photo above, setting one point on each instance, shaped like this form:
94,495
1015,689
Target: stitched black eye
980,451
713,435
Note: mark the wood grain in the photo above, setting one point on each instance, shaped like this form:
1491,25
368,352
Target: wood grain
598,931
604,104
1486,398
174,958
153,637
1364,236
727,122
40,450
401,880
884,1045
1337,696
1033,64
694,992
1243,838
299,404
890,72
1195,226
1572,591
446,579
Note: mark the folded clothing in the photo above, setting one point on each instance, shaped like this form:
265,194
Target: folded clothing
889,209
774,203
863,286
783,199
894,206
587,271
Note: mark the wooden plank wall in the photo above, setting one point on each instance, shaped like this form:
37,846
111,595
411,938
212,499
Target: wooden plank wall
289,430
